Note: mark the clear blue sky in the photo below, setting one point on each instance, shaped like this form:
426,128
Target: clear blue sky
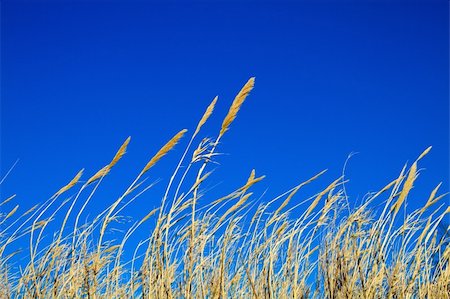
331,79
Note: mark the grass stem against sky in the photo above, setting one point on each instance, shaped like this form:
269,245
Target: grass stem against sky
358,88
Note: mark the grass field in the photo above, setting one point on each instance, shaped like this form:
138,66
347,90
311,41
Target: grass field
232,246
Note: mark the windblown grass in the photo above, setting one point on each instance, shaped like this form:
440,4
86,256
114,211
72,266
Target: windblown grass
201,247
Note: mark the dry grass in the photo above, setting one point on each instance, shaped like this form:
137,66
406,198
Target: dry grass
202,247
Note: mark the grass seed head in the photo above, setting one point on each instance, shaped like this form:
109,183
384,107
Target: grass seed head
236,105
164,150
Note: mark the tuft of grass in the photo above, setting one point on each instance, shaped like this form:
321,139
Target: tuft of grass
234,246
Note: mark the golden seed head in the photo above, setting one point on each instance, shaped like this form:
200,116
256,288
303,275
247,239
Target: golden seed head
164,150
236,105
206,115
70,184
120,152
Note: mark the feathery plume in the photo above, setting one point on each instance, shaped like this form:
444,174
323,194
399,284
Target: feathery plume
99,174
7,200
319,197
120,152
206,115
12,212
105,170
236,105
164,150
407,186
70,184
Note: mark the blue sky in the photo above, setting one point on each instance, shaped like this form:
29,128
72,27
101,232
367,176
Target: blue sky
331,79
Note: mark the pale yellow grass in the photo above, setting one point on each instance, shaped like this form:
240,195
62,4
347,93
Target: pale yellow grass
235,245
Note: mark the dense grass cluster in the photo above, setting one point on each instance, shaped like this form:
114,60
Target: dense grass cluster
232,246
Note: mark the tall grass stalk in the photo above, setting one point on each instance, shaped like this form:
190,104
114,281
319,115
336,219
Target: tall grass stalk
234,246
